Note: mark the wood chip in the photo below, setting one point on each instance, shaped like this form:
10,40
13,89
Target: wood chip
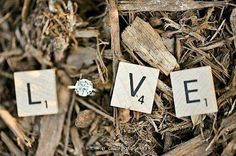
141,38
38,55
165,5
77,142
51,126
230,149
193,147
87,33
115,35
227,126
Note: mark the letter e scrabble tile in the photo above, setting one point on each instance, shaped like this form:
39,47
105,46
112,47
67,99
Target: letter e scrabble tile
193,91
135,87
36,92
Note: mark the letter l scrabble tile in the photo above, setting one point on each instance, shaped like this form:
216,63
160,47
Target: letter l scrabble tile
193,91
36,92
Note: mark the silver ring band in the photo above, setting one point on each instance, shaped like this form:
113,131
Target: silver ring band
71,87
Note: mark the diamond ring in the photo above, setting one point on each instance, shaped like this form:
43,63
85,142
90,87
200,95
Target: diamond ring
83,87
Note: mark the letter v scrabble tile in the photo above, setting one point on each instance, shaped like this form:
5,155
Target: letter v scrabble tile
135,87
193,91
36,92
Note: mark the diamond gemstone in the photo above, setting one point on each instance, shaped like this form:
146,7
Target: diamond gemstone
83,87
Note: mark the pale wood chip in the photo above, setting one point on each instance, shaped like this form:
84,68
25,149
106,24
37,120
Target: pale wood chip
12,123
141,38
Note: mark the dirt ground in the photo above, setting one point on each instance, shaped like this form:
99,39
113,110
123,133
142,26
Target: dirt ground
82,38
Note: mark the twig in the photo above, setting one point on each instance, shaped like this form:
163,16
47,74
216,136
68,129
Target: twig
68,122
218,30
217,44
6,74
4,18
76,140
11,146
115,45
115,29
15,127
97,105
25,9
94,109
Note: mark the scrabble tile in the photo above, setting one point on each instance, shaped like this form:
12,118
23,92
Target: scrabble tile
36,92
135,87
193,91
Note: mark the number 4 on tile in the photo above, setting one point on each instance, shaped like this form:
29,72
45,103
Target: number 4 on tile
135,87
141,99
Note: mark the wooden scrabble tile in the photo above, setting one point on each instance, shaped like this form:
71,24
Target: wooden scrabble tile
193,91
135,87
36,92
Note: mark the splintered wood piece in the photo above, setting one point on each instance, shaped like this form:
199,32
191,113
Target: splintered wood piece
227,126
165,5
36,92
15,127
194,147
141,38
77,141
193,91
115,35
135,87
230,148
51,125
